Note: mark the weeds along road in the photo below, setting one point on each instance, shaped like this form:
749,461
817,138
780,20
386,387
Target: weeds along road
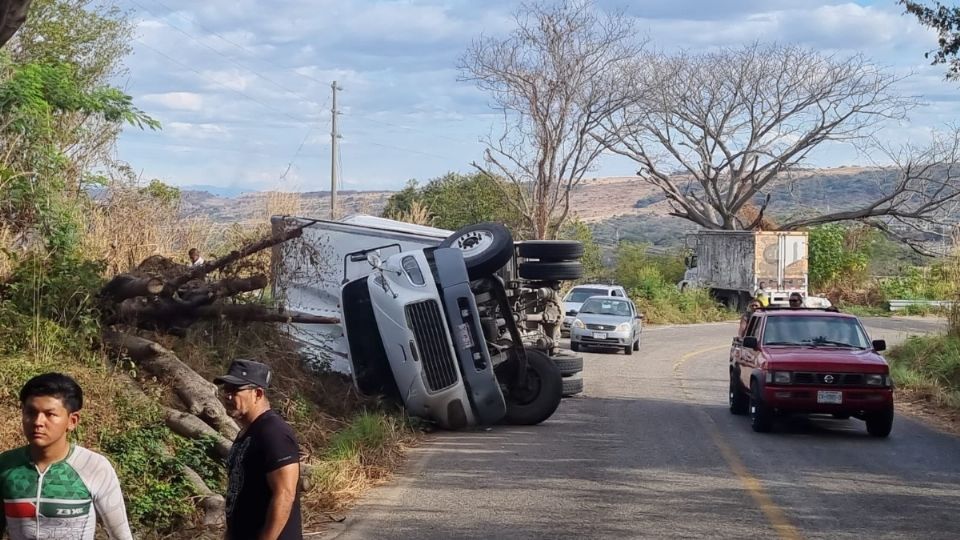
651,451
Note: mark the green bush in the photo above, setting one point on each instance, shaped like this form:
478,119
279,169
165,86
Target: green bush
921,283
651,281
929,365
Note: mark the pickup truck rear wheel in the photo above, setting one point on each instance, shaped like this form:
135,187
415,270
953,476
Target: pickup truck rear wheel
486,247
539,397
881,423
761,417
739,401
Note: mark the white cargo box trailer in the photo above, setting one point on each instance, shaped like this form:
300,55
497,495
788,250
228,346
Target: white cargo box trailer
309,271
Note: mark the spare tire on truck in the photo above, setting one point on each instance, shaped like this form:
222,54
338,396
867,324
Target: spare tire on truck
550,250
486,247
551,271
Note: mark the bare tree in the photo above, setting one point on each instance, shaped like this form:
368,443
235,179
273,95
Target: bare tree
714,130
555,79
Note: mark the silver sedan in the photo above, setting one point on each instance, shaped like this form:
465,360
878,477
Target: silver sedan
604,321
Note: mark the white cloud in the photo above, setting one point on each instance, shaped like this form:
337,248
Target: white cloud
189,130
180,101
233,79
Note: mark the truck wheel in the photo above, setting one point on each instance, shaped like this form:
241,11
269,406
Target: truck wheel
550,250
551,271
880,424
739,402
761,417
572,385
486,247
539,398
568,365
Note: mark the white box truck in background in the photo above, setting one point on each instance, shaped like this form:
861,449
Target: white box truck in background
734,264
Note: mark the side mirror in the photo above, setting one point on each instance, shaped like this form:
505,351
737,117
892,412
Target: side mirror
750,342
374,260
879,345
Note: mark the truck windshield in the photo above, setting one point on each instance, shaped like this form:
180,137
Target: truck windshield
815,331
579,295
604,306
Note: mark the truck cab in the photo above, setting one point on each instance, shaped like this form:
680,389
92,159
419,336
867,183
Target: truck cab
809,361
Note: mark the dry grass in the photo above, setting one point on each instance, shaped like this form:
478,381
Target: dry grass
418,214
128,226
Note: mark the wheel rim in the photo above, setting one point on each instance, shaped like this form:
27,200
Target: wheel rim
474,242
527,394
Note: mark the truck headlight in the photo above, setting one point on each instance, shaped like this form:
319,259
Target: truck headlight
577,323
413,271
778,377
875,380
623,327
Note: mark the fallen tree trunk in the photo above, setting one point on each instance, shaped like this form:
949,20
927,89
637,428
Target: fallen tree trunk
198,395
213,504
206,268
221,289
191,427
125,286
258,313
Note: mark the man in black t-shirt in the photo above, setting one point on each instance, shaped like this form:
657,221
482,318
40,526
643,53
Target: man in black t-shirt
264,463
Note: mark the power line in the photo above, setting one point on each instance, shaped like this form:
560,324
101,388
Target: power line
400,126
218,83
221,54
235,44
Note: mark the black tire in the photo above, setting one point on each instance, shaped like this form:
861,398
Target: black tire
761,417
841,416
486,247
880,424
574,346
572,386
636,344
628,350
568,365
739,402
551,271
550,250
541,396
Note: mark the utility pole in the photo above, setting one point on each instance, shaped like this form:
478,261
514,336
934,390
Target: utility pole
334,135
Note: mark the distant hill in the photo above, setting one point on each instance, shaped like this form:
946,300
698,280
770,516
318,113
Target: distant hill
615,207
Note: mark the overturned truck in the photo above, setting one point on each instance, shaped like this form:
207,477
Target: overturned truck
460,327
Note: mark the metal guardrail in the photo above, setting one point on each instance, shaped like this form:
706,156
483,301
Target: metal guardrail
900,305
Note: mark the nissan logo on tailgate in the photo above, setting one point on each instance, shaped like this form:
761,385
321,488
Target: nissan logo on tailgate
828,379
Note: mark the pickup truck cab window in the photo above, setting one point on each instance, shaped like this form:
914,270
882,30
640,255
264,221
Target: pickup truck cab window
815,331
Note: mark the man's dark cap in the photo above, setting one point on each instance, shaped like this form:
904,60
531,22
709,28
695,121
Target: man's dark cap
243,372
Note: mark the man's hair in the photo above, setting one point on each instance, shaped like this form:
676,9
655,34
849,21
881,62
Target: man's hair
193,251
55,385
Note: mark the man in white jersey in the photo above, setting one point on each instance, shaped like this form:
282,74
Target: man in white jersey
51,489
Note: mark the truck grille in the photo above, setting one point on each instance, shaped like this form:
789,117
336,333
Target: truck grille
835,379
427,323
607,327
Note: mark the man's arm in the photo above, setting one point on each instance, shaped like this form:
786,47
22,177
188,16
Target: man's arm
283,487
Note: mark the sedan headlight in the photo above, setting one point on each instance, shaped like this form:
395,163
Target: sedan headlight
623,327
877,380
778,377
577,323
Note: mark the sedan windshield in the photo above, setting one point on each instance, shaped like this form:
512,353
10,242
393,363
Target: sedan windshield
606,306
815,331
579,295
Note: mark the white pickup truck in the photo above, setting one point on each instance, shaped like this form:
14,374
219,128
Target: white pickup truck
457,326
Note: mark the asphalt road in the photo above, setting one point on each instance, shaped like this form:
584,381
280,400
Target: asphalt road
651,451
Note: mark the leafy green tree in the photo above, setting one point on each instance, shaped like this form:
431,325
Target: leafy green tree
455,200
836,252
946,21
164,193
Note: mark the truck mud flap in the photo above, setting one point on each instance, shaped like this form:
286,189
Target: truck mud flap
468,340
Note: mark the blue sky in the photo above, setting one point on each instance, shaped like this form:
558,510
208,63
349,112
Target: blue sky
242,87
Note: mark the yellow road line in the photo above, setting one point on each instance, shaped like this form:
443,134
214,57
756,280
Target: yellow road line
774,514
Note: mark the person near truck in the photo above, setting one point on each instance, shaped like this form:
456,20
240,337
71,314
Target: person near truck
52,488
745,318
761,295
263,500
795,300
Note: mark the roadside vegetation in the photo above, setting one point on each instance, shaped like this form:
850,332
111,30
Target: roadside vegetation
70,216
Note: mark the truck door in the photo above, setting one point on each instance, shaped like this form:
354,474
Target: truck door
749,358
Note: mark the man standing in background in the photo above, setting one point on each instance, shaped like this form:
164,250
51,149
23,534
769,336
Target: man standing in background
263,468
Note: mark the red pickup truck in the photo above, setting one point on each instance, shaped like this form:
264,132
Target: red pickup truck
809,361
